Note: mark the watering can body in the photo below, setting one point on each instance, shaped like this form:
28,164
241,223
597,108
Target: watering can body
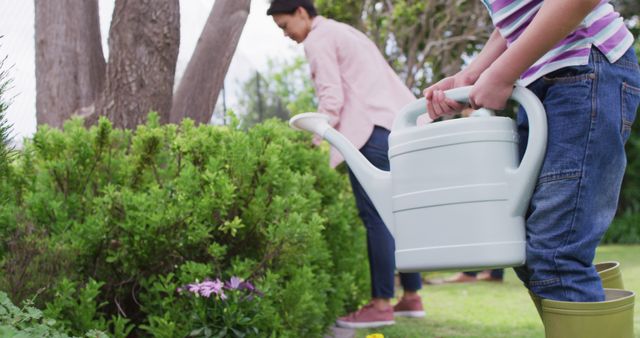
457,192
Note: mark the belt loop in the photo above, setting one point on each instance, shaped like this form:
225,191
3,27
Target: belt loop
596,54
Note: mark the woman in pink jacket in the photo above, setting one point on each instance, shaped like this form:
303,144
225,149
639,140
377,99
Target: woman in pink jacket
361,94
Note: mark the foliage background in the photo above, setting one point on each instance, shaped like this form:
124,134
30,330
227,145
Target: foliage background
104,225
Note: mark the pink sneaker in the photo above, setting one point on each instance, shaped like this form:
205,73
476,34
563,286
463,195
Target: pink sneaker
409,307
367,317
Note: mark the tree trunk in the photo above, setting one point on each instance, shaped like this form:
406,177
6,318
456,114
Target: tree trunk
204,76
143,50
70,65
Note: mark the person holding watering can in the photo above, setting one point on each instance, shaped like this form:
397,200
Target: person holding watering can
577,57
360,92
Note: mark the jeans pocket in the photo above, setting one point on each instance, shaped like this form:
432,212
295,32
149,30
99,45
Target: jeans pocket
570,74
630,100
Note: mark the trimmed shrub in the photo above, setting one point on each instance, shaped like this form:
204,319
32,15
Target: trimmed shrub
119,220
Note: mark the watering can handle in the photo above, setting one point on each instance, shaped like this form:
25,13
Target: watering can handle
525,176
408,116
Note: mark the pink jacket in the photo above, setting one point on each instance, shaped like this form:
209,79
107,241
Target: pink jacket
354,84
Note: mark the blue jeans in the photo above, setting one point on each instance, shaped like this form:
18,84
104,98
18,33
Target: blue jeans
590,110
380,244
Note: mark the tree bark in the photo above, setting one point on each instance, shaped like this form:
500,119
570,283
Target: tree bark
70,65
204,76
144,39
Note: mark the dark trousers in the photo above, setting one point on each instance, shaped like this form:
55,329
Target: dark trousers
380,243
495,273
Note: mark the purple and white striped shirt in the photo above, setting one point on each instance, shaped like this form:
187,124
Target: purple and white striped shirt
602,28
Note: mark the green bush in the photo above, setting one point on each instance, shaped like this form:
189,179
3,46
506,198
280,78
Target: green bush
29,322
624,229
119,220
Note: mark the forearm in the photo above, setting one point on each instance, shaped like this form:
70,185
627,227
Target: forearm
495,46
327,80
555,20
330,97
437,102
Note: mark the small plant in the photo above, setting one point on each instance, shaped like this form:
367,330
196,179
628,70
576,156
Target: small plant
29,322
77,309
223,309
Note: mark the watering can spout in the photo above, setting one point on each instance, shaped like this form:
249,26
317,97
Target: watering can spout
376,182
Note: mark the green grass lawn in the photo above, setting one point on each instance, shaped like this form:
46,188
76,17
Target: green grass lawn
486,309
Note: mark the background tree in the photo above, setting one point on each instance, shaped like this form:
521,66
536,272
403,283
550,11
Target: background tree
260,102
72,75
70,65
204,77
284,90
424,41
628,9
144,37
5,127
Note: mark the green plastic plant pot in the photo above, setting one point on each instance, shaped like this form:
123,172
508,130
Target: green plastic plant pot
610,318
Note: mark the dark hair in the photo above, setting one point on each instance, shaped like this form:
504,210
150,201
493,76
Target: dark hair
290,6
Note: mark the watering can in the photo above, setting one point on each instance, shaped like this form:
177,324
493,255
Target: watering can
457,193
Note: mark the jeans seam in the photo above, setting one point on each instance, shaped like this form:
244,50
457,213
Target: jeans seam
569,79
594,101
545,282
631,87
558,176
597,55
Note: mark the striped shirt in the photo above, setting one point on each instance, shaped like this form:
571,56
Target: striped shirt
602,28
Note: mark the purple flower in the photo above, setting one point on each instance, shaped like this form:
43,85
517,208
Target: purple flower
209,287
249,287
216,287
206,288
246,286
234,283
193,288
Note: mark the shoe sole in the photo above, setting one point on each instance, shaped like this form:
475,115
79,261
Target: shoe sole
410,314
363,325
